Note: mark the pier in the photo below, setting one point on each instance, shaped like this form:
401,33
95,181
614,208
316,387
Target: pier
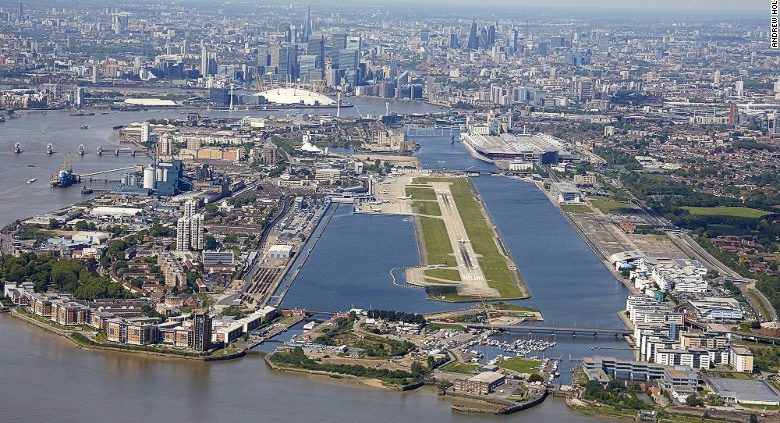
573,331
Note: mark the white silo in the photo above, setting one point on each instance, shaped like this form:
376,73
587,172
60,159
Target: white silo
149,178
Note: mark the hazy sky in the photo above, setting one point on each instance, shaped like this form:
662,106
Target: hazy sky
736,5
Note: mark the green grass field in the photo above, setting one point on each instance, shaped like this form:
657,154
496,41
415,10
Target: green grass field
520,365
609,206
511,307
730,375
745,212
421,193
430,208
448,274
456,367
438,249
576,208
481,235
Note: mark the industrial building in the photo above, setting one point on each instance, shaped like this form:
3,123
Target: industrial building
218,258
280,252
481,384
743,391
565,192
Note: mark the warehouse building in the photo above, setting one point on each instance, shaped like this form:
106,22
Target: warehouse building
481,384
743,391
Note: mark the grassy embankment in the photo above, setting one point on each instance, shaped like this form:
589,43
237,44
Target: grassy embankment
435,241
520,365
607,412
464,368
744,212
296,359
481,236
610,206
576,208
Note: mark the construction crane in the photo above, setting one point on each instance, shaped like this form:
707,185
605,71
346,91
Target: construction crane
260,85
65,176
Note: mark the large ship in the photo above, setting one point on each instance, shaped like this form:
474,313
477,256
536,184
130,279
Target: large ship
65,176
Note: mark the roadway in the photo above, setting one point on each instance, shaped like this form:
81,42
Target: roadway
249,275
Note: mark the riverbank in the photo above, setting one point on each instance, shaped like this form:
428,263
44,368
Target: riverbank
85,343
680,414
276,363
478,405
591,243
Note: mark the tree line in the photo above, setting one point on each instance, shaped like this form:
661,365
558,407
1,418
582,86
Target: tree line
396,316
73,276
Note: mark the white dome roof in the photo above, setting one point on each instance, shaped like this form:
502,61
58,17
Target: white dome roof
296,96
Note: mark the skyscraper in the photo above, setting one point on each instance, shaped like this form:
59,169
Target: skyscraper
189,232
346,61
204,59
583,88
201,331
196,232
317,47
484,39
78,96
339,41
287,69
307,68
306,33
473,42
491,32
119,22
183,234
189,208
733,114
578,58
454,40
354,43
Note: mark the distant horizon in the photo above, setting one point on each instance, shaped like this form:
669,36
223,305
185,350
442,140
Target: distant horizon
705,7
659,5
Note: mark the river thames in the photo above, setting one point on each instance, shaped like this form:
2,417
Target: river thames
45,377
